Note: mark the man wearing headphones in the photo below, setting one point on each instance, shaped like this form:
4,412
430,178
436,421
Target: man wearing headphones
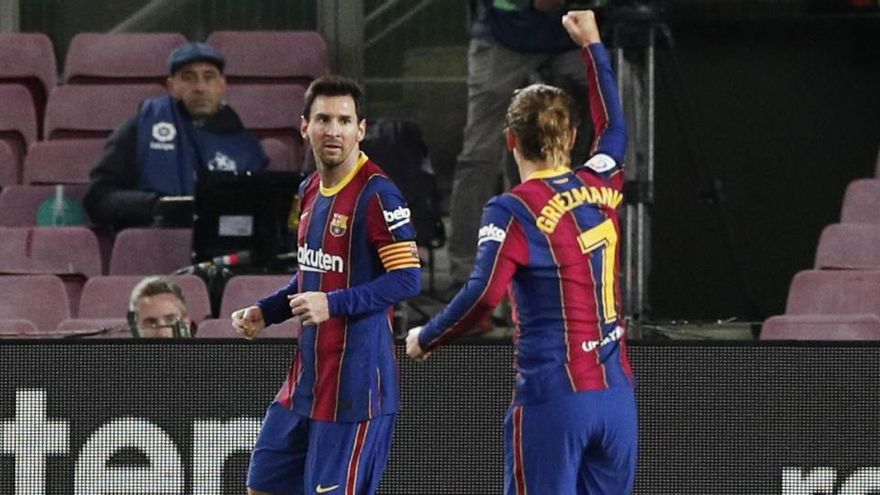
157,309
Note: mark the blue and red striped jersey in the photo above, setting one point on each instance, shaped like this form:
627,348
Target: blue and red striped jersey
356,243
553,245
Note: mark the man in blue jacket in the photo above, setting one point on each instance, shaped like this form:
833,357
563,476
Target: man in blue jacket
158,152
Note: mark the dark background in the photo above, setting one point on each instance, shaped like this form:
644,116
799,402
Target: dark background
786,113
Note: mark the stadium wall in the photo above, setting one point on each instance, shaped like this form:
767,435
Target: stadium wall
179,417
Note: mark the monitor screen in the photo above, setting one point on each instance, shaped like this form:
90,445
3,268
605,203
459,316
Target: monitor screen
244,212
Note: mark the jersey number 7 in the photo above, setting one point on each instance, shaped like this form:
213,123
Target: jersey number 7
603,236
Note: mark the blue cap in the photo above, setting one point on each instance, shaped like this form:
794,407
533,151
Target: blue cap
195,52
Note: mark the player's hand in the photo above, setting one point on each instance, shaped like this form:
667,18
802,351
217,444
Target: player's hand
581,26
311,308
547,5
413,348
248,322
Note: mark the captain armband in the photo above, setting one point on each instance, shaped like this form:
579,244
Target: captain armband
400,255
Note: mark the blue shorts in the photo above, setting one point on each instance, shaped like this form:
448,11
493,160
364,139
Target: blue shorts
584,443
296,455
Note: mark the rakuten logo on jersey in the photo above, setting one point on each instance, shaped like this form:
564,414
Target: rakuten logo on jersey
312,260
396,218
491,233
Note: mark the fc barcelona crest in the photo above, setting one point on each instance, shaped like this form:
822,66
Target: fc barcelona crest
338,224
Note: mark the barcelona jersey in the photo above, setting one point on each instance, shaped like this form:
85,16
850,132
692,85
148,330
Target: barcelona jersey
553,245
356,243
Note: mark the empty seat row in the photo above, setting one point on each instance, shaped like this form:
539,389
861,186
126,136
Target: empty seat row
75,127
840,298
39,304
829,305
124,58
119,70
78,251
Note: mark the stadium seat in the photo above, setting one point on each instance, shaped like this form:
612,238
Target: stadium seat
108,297
73,112
94,327
17,328
10,164
849,246
834,292
20,203
272,56
279,154
150,251
861,202
18,119
42,299
51,250
821,327
29,59
272,111
61,161
119,58
72,253
245,290
222,329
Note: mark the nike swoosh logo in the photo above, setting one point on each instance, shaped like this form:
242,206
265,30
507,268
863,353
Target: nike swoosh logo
322,489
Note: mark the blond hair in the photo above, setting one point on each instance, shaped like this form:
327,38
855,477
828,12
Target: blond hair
540,117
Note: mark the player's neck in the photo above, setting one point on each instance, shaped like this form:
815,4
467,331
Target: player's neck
331,176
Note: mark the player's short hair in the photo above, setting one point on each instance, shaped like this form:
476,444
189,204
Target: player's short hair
334,86
539,116
153,286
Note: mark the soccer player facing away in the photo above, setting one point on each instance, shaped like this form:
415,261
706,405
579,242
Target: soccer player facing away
329,428
553,240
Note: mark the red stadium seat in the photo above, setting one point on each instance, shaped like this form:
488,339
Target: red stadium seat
834,292
279,154
54,250
861,202
272,56
119,58
150,251
849,246
41,299
17,328
29,59
61,161
108,297
18,120
10,165
20,203
72,111
69,252
245,290
821,327
272,111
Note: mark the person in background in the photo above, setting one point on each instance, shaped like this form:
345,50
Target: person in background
329,428
513,42
157,309
553,243
158,152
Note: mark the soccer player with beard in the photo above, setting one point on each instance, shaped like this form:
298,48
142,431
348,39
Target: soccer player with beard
329,428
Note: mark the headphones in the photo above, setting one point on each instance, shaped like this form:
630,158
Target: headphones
180,328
